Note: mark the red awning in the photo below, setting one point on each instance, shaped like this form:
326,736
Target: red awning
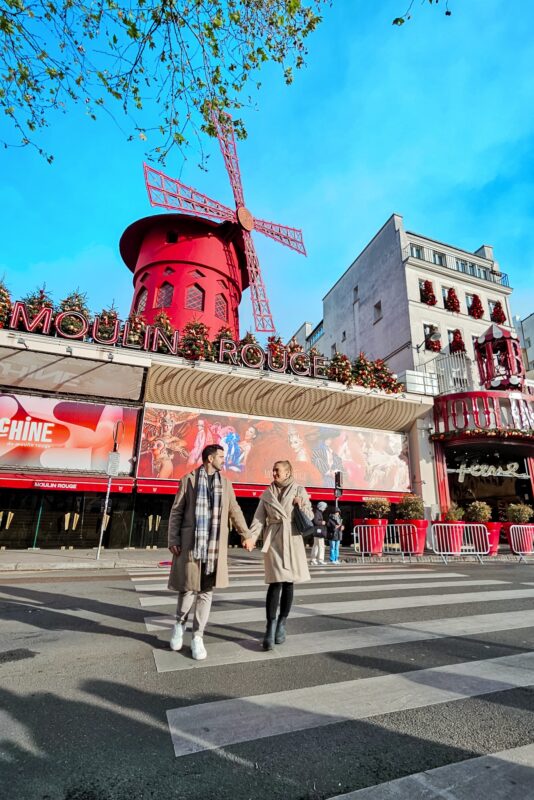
157,487
65,483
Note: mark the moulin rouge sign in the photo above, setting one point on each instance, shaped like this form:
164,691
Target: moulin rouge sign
249,355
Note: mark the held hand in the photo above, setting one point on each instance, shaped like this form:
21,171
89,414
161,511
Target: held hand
249,545
175,550
297,500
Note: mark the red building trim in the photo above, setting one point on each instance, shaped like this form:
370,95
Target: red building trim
65,483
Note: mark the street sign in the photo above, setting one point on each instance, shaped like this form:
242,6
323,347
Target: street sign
114,460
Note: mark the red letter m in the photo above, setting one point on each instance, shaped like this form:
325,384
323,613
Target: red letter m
20,316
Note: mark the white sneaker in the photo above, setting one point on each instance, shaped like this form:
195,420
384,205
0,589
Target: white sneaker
198,651
321,563
177,637
314,562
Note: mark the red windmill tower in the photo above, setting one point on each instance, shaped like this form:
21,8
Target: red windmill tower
196,264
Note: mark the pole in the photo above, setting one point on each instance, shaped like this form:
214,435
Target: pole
38,522
103,519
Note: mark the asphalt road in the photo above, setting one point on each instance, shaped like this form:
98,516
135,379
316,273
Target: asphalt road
387,672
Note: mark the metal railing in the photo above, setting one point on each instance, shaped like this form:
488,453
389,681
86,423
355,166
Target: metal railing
456,263
460,539
396,539
453,372
522,540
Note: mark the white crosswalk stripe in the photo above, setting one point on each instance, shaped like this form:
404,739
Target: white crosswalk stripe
352,607
225,722
315,591
507,774
407,589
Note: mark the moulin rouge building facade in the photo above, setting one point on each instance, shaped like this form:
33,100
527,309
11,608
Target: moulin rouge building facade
73,388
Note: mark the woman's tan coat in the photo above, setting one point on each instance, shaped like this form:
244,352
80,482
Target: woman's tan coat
284,554
185,570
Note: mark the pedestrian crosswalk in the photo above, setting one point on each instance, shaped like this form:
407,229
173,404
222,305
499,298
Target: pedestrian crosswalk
458,624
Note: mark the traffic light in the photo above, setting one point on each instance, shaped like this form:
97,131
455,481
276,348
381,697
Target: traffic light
338,483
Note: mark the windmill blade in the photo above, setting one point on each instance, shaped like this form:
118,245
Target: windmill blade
260,304
229,151
290,237
174,195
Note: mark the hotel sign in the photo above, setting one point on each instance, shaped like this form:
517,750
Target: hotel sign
249,355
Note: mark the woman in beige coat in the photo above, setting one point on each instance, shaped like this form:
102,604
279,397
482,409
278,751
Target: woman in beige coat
284,554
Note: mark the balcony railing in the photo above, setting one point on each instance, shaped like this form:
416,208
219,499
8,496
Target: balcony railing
470,268
479,411
453,373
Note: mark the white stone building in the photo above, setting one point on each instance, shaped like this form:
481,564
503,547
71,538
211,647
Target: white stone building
380,305
377,306
525,329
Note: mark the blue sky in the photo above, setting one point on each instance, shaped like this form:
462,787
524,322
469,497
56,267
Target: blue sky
433,121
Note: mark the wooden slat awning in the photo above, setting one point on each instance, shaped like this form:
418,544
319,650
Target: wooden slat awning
219,388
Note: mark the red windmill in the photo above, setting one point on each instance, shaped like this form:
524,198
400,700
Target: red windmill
174,195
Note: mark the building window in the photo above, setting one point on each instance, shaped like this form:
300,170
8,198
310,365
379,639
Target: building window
355,297
164,296
142,297
416,251
469,300
168,271
194,297
172,237
421,289
444,294
491,306
333,349
378,311
343,336
439,258
197,274
221,307
461,265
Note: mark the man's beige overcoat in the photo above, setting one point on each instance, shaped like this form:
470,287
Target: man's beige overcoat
185,570
284,554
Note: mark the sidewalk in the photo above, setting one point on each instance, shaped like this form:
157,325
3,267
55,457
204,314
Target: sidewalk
41,560
38,560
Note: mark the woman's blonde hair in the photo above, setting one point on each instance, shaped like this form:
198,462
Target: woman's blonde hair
287,465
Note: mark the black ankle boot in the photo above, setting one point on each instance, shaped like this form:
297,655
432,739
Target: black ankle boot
268,640
280,635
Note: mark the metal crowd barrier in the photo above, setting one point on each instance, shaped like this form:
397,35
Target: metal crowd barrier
451,539
373,540
522,540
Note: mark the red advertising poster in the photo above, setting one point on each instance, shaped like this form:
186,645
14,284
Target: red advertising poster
45,433
173,438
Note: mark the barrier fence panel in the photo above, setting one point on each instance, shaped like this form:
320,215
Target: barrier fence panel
522,540
373,540
460,539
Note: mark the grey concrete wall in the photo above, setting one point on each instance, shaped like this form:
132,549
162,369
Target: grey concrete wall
379,274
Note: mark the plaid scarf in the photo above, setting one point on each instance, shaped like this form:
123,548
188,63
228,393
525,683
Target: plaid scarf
208,520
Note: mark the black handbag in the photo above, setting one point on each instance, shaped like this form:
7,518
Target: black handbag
302,523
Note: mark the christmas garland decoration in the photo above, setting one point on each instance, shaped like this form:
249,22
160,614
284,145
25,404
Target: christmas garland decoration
451,302
497,315
502,433
457,345
427,294
194,343
476,309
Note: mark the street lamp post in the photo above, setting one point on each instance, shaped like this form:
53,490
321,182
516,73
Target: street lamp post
112,471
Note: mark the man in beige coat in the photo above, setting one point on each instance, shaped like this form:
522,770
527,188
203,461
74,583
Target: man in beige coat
198,539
